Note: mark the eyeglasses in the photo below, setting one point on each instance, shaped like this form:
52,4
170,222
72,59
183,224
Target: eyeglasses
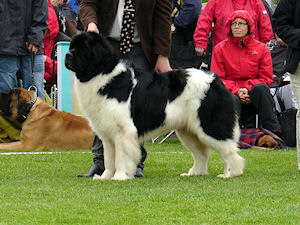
233,24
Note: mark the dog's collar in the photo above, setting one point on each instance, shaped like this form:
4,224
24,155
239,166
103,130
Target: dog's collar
32,102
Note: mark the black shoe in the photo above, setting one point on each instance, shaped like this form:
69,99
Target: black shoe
139,173
95,169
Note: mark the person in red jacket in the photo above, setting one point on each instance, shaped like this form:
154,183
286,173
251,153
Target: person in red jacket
49,41
216,13
245,67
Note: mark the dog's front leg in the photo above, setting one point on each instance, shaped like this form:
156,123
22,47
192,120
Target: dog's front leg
109,161
127,157
17,145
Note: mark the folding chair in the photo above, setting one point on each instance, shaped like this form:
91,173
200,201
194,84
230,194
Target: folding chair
165,138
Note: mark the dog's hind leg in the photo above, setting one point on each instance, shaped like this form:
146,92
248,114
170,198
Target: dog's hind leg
234,163
109,161
127,156
199,151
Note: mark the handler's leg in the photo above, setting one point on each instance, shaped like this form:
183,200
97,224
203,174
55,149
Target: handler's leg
295,82
9,66
98,160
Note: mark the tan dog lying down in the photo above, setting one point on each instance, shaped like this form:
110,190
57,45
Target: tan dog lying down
44,127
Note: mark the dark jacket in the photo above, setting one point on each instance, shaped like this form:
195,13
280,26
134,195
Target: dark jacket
153,20
20,22
286,19
185,12
185,15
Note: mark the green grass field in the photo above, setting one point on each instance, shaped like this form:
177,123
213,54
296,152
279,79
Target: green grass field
44,189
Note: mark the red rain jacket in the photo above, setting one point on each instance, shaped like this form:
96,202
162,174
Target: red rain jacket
49,41
242,65
218,11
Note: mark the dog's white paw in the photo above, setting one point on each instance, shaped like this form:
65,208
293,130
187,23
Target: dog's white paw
106,175
230,175
184,175
188,174
96,177
223,176
193,174
121,176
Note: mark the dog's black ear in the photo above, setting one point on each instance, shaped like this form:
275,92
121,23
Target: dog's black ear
23,107
105,58
5,100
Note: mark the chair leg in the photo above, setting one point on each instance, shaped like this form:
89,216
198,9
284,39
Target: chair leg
256,121
154,139
168,135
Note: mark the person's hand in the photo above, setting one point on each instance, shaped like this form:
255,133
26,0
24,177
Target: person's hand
31,47
244,96
162,64
92,27
57,2
199,51
44,58
173,28
280,41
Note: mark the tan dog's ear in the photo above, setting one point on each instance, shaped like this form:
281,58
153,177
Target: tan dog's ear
266,141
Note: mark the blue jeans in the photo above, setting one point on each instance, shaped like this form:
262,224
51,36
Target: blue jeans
9,65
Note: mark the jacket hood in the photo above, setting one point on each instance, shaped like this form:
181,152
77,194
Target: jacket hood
244,15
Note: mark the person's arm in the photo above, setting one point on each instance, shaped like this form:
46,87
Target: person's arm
282,17
204,25
162,34
52,24
87,11
38,26
265,30
188,14
218,66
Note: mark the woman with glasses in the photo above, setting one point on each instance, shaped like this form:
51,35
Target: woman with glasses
244,65
214,16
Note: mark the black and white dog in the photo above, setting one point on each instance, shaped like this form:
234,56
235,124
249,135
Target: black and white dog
125,108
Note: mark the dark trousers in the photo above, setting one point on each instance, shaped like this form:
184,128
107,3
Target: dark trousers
183,53
262,104
137,58
98,159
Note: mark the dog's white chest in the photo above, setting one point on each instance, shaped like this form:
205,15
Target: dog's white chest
104,113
